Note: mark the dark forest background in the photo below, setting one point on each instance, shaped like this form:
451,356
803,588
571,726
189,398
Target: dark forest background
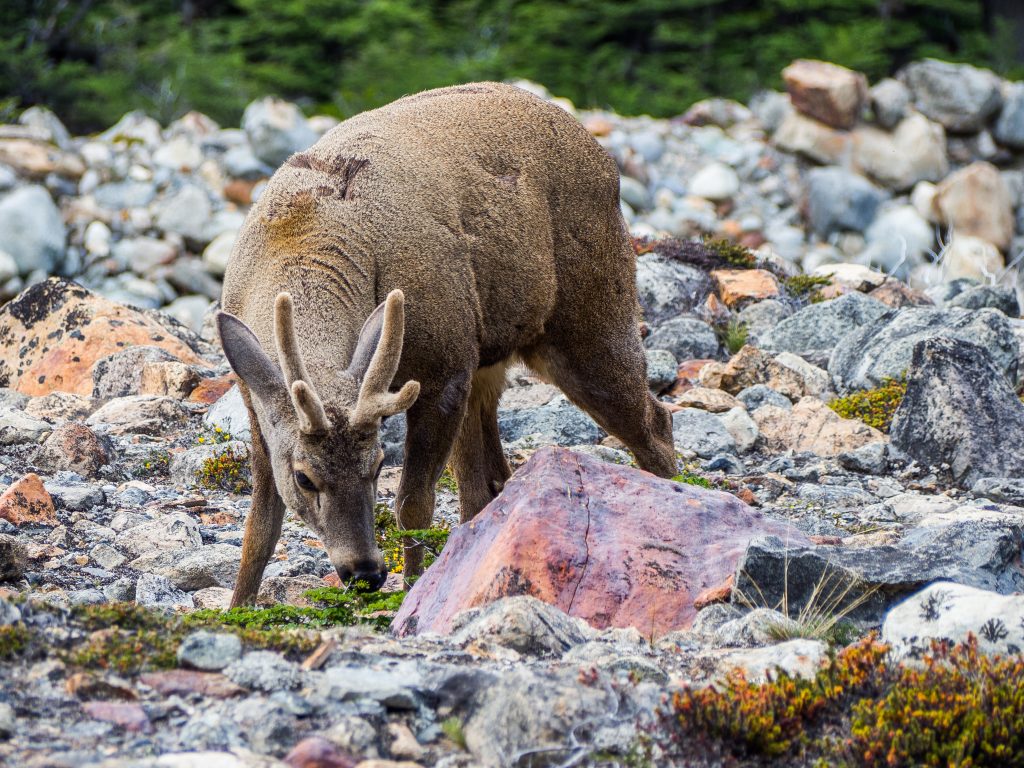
93,60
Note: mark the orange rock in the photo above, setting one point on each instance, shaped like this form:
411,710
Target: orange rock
688,376
738,285
28,502
239,191
209,391
53,333
827,92
720,593
598,126
976,201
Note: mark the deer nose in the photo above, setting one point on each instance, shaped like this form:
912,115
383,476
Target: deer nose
373,575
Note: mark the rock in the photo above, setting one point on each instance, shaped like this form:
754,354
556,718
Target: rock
751,366
107,557
975,201
169,378
13,560
575,511
76,497
39,160
215,565
17,427
26,502
850,277
959,96
814,331
661,369
898,240
896,295
127,714
685,337
178,154
48,124
634,193
760,317
209,651
134,127
667,288
711,400
832,94
1009,128
183,682
701,432
742,428
971,258
814,380
995,296
53,334
218,252
172,532
812,426
394,685
889,100
187,466
524,624
736,286
959,411
559,422
863,582
120,374
316,752
715,111
8,721
915,151
839,200
759,394
276,129
525,711
31,229
75,448
188,213
871,459
883,348
155,591
121,195
802,135
139,414
230,414
953,613
799,658
142,255
97,239
715,182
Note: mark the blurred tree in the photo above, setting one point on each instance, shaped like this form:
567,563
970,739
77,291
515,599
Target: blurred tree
92,60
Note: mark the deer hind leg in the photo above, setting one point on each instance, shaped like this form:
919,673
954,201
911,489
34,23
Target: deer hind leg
432,425
478,460
609,382
262,524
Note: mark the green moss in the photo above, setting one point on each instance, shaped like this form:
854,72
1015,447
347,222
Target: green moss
806,287
452,728
732,335
14,640
127,651
156,463
447,481
225,471
875,407
730,253
692,478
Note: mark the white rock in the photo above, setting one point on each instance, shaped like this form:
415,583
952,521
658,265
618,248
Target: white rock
218,252
178,154
815,380
742,428
175,531
230,414
31,229
899,237
949,611
972,257
797,658
715,182
8,267
97,239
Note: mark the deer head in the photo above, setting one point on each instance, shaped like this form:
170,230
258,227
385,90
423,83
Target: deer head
326,456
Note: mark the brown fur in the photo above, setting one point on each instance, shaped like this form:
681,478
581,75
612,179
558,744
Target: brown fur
498,217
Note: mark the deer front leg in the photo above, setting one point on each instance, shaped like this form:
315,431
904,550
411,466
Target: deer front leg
431,431
262,524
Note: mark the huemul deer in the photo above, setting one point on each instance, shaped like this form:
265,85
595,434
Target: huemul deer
403,263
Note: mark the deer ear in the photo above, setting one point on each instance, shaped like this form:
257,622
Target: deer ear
248,360
369,338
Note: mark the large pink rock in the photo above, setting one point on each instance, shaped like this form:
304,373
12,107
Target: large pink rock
615,546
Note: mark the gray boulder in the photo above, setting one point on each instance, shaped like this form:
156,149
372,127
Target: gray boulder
661,369
701,432
188,212
959,96
998,297
276,129
685,337
13,558
959,411
761,394
120,374
863,582
761,317
155,591
215,565
523,623
31,229
230,414
883,348
814,331
839,200
558,422
209,651
1009,128
667,288
889,100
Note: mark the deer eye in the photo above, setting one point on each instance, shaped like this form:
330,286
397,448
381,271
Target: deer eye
302,480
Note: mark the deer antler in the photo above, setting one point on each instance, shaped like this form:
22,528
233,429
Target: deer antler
375,401
312,416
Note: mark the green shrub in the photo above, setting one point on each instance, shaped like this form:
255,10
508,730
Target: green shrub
875,407
806,286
